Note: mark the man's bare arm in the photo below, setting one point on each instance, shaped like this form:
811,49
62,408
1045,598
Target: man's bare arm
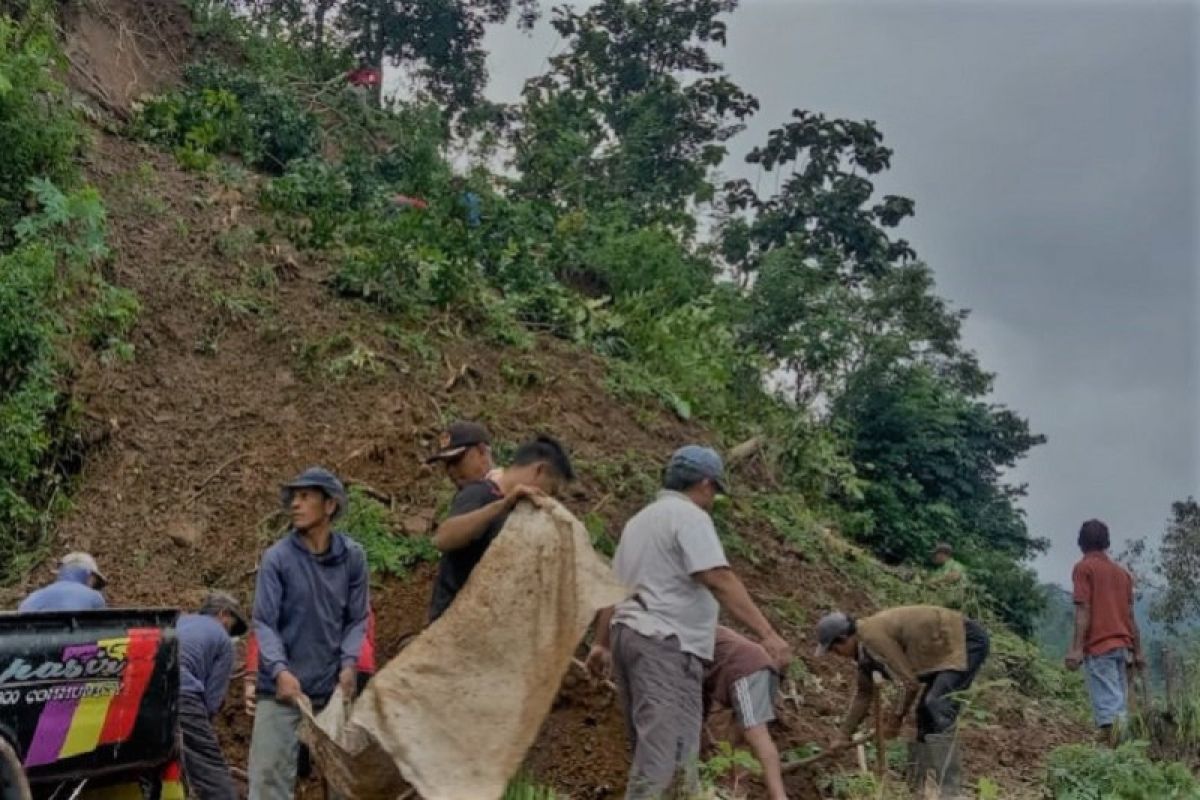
1083,621
731,593
455,533
603,621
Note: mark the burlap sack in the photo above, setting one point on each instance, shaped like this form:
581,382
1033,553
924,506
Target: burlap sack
456,711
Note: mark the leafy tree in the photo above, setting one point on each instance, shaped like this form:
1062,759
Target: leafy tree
821,327
934,460
634,110
1179,565
441,40
829,286
823,203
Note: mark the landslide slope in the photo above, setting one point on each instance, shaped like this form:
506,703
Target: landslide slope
248,367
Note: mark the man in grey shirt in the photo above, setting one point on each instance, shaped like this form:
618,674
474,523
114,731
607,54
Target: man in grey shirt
671,559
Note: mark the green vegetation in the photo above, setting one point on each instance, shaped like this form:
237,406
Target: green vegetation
389,551
523,787
798,316
1083,772
52,241
728,763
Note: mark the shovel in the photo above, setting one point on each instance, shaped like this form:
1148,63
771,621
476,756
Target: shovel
796,766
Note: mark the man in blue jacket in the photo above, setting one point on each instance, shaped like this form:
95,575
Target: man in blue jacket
205,667
310,616
76,589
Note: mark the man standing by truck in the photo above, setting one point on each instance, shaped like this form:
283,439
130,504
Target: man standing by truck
205,667
76,589
310,616
1106,634
673,561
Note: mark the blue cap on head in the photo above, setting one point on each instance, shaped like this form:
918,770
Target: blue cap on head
316,478
701,461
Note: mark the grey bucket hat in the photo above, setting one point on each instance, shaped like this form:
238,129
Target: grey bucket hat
216,602
316,478
832,626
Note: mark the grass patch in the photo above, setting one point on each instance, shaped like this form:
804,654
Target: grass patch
389,550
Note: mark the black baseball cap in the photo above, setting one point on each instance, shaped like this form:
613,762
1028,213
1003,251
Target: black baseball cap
455,440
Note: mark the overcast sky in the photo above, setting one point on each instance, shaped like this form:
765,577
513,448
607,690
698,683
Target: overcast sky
1051,149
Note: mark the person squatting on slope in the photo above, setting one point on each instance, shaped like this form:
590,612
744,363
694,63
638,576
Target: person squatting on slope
311,605
1106,637
670,557
205,667
77,587
743,677
920,648
539,468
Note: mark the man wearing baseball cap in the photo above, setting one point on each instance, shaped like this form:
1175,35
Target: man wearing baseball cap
310,617
480,508
672,560
205,667
77,587
465,450
927,648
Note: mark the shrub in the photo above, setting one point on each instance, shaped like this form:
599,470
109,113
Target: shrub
29,398
38,135
1085,772
110,318
388,551
227,110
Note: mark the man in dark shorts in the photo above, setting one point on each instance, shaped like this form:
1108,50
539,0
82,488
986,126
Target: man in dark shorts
743,677
540,467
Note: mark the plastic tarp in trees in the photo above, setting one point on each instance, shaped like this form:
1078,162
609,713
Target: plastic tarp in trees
454,714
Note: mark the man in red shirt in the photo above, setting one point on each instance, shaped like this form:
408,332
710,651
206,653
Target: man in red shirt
1106,634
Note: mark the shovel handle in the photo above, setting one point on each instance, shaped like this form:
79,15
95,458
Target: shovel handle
827,753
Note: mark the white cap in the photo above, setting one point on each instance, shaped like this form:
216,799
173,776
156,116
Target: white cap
83,560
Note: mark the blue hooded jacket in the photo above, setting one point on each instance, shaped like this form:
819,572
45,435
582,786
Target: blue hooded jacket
69,593
310,612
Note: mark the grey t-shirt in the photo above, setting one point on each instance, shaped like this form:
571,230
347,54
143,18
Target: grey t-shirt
661,548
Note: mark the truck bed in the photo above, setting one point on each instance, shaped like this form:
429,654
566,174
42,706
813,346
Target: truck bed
91,693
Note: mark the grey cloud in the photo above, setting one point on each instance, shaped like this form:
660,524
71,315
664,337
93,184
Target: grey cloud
1051,151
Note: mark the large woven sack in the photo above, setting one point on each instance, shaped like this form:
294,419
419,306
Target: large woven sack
454,714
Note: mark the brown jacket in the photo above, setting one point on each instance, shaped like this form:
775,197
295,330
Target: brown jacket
909,643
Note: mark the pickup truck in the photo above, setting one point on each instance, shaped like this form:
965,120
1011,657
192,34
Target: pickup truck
89,705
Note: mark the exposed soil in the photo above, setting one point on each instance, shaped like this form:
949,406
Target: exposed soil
231,391
122,50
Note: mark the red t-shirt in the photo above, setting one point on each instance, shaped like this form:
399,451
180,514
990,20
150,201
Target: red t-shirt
366,655
1107,589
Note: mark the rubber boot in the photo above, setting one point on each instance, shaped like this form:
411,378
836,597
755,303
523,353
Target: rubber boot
935,767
